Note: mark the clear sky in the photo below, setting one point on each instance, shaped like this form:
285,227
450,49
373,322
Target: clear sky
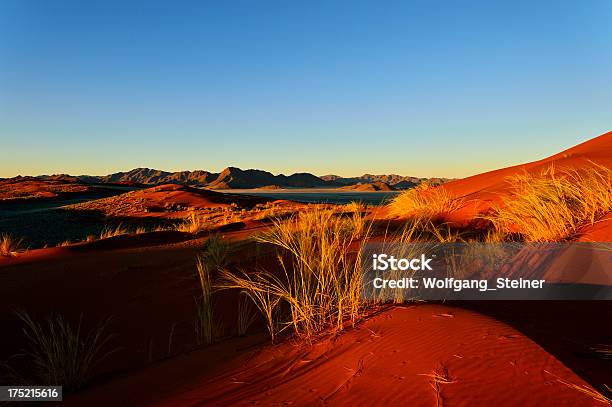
427,88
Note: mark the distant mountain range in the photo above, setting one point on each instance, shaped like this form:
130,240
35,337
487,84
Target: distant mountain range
236,178
394,180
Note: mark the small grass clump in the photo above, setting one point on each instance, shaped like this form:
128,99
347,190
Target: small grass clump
553,206
10,246
110,231
425,202
62,355
321,280
192,224
140,230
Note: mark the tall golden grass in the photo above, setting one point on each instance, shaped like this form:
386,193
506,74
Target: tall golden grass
62,354
424,202
9,246
355,206
554,205
320,283
204,323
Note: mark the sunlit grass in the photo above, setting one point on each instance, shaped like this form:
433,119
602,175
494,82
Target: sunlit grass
258,288
320,281
192,224
424,202
110,231
10,246
554,205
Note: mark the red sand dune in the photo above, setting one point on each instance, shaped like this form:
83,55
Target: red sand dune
386,360
168,198
23,188
482,190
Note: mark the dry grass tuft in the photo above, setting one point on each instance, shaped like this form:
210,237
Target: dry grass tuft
258,289
140,230
425,202
553,206
321,285
61,353
204,323
10,246
192,224
438,377
109,231
355,206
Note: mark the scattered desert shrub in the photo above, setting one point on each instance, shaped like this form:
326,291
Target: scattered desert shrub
192,224
61,354
321,279
9,246
204,323
425,202
110,231
553,206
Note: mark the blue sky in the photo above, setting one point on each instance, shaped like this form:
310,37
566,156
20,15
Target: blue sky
427,88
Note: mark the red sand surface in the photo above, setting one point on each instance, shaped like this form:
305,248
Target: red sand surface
383,361
501,359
